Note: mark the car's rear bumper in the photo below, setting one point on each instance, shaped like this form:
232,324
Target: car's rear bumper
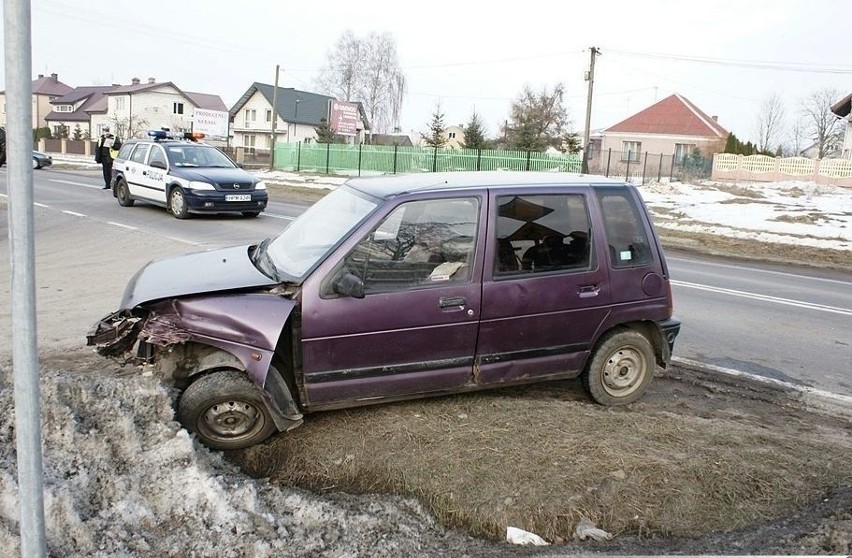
669,329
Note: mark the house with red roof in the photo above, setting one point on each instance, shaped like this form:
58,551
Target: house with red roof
45,89
673,126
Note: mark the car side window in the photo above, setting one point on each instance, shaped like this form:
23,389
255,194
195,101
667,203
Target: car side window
139,153
420,244
124,152
158,156
625,232
542,233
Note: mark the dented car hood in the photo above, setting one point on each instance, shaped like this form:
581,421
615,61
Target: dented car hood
224,269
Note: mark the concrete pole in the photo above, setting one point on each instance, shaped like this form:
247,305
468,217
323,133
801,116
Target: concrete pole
591,79
19,180
274,119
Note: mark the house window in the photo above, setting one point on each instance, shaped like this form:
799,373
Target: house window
178,108
682,151
64,108
630,151
269,115
251,115
119,103
249,141
452,135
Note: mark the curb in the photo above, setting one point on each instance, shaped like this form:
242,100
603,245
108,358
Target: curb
814,399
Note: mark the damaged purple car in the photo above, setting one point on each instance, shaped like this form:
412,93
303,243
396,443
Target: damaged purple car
401,287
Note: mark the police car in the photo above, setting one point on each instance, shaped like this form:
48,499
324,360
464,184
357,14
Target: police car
185,176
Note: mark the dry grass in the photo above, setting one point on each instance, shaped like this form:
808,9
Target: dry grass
737,190
810,218
539,457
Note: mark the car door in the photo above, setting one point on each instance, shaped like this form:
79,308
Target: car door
545,291
134,167
154,173
415,329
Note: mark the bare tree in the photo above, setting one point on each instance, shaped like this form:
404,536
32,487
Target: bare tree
822,124
798,136
770,122
366,70
343,69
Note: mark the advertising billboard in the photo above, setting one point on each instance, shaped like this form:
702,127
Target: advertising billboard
343,118
212,123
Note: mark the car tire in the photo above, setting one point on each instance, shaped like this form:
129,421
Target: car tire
620,368
35,164
226,411
122,193
251,213
177,203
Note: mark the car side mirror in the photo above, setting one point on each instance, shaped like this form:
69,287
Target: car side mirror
157,165
349,285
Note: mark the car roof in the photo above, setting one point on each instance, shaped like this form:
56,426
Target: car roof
394,185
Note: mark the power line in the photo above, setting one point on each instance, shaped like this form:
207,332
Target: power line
806,67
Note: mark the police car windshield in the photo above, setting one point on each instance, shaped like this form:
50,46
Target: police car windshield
189,155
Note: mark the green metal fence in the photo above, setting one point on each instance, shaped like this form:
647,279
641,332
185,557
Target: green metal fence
380,159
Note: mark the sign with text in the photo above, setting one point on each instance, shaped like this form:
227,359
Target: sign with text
343,118
211,123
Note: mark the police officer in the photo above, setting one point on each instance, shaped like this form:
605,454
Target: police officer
106,143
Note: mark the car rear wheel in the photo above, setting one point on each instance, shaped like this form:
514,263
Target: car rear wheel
122,192
226,411
177,203
251,213
621,368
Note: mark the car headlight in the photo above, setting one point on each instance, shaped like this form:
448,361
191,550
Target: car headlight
260,185
197,185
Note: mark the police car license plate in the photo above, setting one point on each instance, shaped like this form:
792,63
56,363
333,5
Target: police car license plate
237,197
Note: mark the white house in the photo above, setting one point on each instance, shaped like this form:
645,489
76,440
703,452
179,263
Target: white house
132,110
299,114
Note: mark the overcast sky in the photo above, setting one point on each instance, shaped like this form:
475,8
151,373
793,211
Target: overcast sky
468,55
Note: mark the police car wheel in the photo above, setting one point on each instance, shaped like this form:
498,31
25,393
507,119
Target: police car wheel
122,193
177,204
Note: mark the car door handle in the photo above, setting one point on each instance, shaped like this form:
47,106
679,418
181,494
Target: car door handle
451,301
144,173
588,291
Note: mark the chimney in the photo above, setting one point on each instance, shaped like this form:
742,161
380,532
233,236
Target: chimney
152,80
54,76
715,118
40,76
134,81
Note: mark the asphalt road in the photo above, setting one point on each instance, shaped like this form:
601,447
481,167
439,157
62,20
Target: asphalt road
784,323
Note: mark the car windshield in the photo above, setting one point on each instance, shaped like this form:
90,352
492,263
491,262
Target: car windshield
310,237
190,155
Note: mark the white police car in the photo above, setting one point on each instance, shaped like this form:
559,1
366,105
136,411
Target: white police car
185,176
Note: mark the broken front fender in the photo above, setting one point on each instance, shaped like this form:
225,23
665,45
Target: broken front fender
245,319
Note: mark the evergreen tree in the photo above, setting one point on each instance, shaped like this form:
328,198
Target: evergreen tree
325,133
437,136
474,134
78,133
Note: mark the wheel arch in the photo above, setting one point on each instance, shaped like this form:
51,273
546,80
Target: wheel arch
650,329
187,362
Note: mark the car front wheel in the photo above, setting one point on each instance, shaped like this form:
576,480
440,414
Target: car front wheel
35,163
226,411
621,368
122,192
177,203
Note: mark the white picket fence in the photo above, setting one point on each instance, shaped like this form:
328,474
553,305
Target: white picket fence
760,168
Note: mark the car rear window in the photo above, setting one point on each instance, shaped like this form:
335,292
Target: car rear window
625,230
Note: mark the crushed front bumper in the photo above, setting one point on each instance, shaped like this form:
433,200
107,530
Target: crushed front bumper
115,334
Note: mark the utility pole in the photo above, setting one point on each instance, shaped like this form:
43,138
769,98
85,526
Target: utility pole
274,119
17,41
590,77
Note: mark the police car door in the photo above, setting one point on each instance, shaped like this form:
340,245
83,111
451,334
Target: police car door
133,172
154,173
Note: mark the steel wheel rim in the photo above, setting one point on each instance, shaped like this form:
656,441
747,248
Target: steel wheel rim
35,163
122,191
177,202
231,421
624,371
